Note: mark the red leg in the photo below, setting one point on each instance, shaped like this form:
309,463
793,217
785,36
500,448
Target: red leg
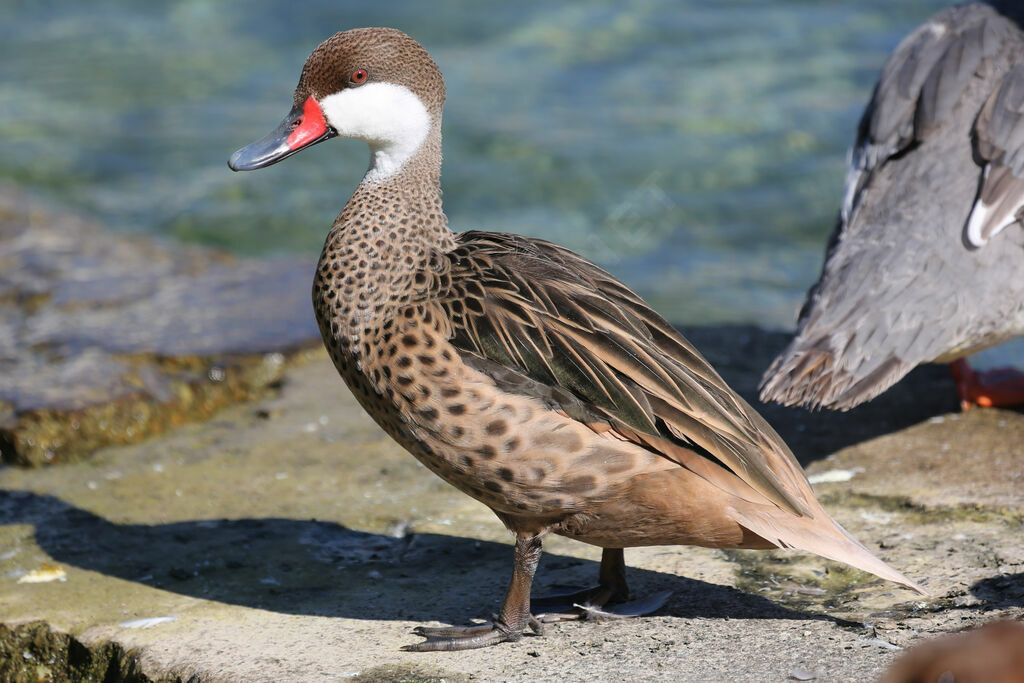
997,387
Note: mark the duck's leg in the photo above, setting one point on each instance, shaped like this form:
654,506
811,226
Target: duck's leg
507,626
611,591
996,387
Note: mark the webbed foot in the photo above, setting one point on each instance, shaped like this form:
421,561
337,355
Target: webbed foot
451,638
594,603
996,387
608,600
506,627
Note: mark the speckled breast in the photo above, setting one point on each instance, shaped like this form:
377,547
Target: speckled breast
509,451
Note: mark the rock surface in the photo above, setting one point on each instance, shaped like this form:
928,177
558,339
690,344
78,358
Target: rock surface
289,539
106,338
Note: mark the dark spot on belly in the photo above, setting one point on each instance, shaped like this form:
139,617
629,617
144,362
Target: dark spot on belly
449,392
404,362
458,432
511,444
404,380
493,486
409,340
429,413
506,474
497,427
457,409
466,461
426,360
487,452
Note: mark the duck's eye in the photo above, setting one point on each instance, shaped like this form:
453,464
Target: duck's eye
359,76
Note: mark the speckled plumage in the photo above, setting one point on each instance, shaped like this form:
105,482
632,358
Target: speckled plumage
922,264
534,381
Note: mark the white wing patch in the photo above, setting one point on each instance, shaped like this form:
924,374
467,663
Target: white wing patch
988,220
389,117
854,173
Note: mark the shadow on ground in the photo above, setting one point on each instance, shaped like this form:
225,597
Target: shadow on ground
1000,592
325,569
742,353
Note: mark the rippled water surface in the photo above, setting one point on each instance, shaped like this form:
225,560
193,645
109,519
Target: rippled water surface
695,149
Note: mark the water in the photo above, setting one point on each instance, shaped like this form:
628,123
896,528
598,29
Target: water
694,149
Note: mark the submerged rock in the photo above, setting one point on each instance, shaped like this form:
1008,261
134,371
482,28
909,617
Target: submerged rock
107,338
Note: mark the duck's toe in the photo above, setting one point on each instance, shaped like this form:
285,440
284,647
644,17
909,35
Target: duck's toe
450,638
594,603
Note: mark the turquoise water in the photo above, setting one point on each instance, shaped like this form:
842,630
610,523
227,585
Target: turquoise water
695,149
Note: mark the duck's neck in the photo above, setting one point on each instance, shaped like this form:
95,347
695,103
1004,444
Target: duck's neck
387,233
398,202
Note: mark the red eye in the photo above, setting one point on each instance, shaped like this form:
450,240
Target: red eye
359,76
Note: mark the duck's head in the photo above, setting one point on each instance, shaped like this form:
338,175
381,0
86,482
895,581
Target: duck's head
372,84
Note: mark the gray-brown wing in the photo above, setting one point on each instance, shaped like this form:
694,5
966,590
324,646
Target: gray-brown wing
559,321
919,86
898,288
999,137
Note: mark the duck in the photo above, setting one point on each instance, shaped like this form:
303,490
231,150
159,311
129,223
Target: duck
519,372
925,259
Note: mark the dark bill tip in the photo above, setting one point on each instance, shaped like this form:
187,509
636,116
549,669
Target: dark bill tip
302,128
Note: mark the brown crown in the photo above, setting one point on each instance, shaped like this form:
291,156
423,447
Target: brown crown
387,54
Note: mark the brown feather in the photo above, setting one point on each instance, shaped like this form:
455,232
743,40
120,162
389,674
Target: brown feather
612,352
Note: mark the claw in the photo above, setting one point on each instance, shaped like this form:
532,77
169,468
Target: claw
434,631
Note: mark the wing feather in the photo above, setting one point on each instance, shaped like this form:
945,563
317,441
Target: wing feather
920,85
581,340
999,142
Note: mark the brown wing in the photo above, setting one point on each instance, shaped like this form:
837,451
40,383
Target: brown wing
592,348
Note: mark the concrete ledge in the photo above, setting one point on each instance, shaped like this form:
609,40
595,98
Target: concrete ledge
290,539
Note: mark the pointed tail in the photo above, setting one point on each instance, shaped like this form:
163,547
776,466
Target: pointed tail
820,535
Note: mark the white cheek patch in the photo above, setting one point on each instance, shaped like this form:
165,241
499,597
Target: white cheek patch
389,117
